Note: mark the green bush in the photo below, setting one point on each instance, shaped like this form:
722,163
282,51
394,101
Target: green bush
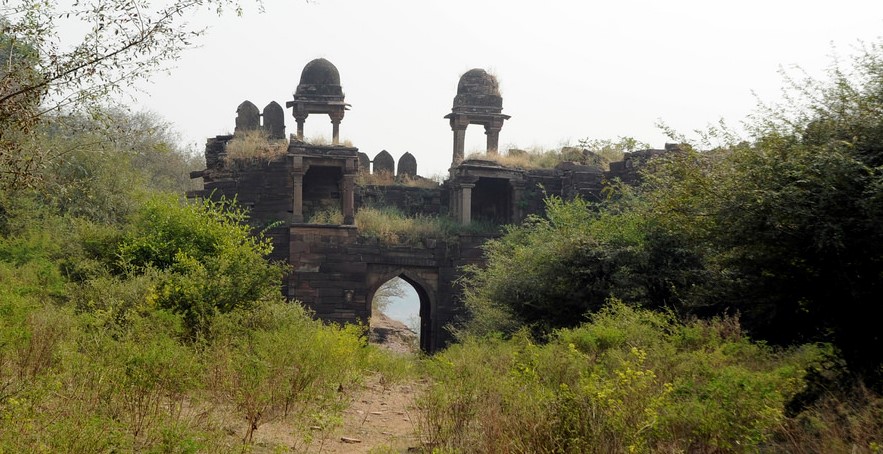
208,259
276,363
552,270
628,381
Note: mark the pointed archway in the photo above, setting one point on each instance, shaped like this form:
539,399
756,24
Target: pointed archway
424,302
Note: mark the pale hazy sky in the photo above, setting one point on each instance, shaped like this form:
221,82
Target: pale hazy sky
567,69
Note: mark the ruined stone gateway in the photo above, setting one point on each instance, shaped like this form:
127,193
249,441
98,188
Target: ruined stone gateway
335,271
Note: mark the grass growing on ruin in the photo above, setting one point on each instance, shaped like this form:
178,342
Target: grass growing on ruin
365,178
255,145
389,226
325,141
592,152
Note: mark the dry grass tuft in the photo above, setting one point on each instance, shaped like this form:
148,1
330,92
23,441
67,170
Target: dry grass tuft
540,159
326,141
849,421
519,161
365,178
597,153
391,227
255,145
418,182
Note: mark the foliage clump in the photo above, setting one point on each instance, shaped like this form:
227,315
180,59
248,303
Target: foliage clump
783,230
209,262
627,381
550,270
148,335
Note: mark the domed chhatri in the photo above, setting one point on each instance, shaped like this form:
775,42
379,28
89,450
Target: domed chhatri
320,79
478,102
477,88
319,92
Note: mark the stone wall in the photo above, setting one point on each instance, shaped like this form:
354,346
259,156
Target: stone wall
335,272
409,200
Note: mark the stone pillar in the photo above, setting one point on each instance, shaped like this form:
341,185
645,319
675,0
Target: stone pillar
336,117
459,145
297,208
517,206
458,125
347,193
466,203
297,183
493,138
300,119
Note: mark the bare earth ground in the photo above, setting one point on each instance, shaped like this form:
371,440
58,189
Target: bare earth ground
380,419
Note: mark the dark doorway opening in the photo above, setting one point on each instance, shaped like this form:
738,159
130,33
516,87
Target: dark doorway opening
492,200
321,190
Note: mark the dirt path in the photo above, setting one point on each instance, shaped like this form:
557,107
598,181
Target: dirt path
381,419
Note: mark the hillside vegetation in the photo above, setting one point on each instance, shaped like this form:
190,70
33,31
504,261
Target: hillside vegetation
777,239
727,304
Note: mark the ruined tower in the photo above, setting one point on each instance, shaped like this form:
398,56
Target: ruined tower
478,102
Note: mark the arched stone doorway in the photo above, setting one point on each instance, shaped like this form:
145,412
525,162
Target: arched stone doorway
425,293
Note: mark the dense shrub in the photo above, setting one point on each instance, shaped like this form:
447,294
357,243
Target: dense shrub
97,366
628,381
147,336
208,259
275,362
550,271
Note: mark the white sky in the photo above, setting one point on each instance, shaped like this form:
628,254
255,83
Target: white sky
567,69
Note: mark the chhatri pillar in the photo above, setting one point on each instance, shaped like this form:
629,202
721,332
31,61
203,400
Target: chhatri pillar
458,125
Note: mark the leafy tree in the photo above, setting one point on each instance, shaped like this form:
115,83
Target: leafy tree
105,167
789,224
125,41
553,270
209,260
384,296
606,150
785,228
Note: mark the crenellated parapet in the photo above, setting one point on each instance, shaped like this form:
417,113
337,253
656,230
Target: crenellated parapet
271,121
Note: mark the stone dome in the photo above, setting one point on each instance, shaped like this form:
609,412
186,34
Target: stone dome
477,88
478,82
320,72
319,78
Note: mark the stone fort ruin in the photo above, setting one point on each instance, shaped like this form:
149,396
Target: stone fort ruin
335,270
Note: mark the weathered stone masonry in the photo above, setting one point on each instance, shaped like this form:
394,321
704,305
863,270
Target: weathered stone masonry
335,270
